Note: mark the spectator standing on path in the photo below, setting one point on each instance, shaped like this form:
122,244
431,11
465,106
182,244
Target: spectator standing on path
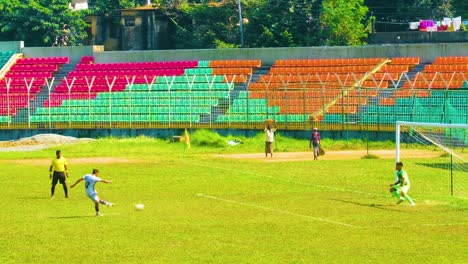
270,138
57,171
315,142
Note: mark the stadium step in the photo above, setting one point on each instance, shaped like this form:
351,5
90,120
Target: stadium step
258,72
41,97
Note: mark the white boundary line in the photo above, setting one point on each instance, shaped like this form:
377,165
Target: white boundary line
286,180
423,225
446,224
276,210
298,182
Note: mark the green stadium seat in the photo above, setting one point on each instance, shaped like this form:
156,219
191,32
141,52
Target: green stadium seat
221,118
257,118
203,64
280,118
387,119
120,118
143,118
333,118
404,117
5,119
402,110
369,119
465,85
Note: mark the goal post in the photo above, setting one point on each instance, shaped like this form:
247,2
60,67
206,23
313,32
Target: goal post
399,124
447,144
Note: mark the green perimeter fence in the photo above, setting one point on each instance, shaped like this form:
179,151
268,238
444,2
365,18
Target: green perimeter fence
342,108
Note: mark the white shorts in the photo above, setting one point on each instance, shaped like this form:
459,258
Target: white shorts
404,189
94,197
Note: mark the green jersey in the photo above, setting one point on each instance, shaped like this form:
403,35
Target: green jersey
402,175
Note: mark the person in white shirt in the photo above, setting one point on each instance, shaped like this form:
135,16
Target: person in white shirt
90,181
270,137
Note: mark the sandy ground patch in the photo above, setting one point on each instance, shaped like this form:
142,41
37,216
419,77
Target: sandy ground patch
38,142
332,155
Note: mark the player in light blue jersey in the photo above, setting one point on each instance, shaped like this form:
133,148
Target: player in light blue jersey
401,186
90,182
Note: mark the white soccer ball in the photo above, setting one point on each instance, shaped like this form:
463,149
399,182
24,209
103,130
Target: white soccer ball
139,207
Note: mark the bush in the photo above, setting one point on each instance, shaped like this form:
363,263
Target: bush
369,156
207,138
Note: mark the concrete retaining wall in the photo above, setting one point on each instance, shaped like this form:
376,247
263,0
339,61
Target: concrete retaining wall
427,53
11,45
74,53
417,37
15,134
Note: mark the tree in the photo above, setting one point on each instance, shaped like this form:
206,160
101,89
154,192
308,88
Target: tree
425,9
106,7
460,8
343,22
283,23
41,23
395,15
206,25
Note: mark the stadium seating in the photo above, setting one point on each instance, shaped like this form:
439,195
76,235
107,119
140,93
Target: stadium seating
23,80
4,57
418,100
298,91
127,106
173,91
324,78
444,73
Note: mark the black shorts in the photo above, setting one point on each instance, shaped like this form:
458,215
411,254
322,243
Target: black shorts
58,177
268,147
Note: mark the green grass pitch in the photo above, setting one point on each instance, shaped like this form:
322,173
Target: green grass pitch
204,209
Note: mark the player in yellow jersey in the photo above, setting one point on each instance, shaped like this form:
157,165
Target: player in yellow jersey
57,172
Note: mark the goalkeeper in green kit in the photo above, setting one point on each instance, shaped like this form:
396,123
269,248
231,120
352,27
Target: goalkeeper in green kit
400,188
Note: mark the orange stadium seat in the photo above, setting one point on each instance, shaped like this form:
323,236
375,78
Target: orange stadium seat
387,101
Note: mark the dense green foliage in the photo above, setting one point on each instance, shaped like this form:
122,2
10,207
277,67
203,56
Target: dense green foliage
215,24
41,23
343,20
283,23
106,7
200,208
394,15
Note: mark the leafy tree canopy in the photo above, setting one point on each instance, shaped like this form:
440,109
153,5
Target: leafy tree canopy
215,23
41,22
106,7
343,22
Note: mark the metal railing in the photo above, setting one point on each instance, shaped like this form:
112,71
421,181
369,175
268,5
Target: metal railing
333,102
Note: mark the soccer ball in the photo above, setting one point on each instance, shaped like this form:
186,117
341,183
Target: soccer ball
139,207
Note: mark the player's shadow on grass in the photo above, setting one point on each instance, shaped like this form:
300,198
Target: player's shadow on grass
445,166
34,198
376,206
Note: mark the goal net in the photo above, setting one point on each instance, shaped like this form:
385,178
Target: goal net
440,156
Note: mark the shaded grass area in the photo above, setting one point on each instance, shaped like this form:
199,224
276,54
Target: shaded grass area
201,209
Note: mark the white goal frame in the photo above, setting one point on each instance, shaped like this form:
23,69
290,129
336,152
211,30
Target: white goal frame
421,124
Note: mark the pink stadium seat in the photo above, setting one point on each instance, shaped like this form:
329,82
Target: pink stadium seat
27,72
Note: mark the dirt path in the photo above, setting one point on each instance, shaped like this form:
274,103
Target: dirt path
91,160
332,155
